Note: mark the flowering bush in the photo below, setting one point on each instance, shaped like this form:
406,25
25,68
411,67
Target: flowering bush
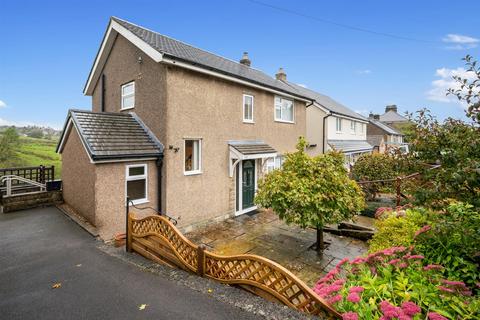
395,284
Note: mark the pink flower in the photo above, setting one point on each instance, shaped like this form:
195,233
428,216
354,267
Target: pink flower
325,291
445,289
353,297
433,267
402,265
454,283
435,316
416,256
356,289
339,282
422,230
394,261
350,316
357,260
410,308
335,299
342,262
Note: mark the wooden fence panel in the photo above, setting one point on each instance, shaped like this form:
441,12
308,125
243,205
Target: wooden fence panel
156,238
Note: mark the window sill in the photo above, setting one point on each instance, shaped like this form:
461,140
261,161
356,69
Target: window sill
192,173
285,121
138,201
249,121
129,108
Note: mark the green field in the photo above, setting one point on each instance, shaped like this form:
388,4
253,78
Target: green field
32,152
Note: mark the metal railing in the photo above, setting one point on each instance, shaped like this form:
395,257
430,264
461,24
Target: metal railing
9,184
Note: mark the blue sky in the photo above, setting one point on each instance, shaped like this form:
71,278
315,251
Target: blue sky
47,48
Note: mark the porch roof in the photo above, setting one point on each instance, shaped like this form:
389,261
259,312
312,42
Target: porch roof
250,149
348,146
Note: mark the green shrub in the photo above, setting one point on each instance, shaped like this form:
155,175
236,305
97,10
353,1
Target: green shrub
397,228
395,284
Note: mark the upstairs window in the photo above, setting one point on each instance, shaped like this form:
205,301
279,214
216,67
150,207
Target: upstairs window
338,123
193,155
136,183
361,127
247,108
128,95
283,110
353,126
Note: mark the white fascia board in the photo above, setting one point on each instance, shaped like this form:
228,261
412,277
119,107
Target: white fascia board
113,29
230,78
65,133
349,118
319,106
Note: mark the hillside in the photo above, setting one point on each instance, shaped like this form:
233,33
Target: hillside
35,152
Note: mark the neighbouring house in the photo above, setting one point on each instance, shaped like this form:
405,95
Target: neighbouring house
331,125
177,129
384,137
392,118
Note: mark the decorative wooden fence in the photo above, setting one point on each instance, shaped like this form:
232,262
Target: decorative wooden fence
156,238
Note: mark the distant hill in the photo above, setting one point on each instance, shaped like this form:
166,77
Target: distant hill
35,132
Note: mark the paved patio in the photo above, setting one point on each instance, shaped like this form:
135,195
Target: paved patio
264,234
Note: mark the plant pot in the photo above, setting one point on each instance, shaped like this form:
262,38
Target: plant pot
120,240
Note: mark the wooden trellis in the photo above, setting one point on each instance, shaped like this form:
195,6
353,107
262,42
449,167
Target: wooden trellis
156,238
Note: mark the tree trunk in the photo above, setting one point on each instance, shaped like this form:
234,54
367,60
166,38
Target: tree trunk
320,244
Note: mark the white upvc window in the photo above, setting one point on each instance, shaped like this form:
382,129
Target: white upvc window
136,183
338,124
274,163
361,127
284,110
353,126
193,156
128,95
247,108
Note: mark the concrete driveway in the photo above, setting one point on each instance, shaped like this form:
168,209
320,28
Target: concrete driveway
42,247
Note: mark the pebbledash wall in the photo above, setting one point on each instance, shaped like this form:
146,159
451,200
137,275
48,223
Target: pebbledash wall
175,104
97,191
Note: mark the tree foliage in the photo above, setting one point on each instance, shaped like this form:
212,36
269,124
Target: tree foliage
468,88
310,191
8,143
456,146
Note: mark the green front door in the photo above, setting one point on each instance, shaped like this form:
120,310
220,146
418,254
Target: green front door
248,183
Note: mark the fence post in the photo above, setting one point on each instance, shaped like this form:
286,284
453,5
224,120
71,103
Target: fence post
201,260
42,174
399,192
128,227
53,173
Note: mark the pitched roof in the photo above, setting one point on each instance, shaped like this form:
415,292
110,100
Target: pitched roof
385,127
253,148
108,136
350,145
328,103
392,116
181,51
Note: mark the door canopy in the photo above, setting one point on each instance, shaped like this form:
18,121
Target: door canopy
250,149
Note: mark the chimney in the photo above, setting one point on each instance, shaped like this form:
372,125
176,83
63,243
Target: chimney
245,59
376,117
281,75
371,115
392,107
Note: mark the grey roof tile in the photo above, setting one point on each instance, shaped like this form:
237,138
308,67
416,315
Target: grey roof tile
114,135
385,127
253,148
180,50
392,116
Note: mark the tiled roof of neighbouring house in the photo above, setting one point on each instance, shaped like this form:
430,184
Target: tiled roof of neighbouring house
108,136
392,116
385,127
350,145
181,51
327,102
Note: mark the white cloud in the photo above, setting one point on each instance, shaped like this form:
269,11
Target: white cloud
438,92
460,42
366,71
2,104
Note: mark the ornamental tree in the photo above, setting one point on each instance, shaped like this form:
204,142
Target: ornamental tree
311,191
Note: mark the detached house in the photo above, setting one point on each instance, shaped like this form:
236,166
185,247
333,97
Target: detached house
180,130
384,137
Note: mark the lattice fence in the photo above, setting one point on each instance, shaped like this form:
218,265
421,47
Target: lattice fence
158,239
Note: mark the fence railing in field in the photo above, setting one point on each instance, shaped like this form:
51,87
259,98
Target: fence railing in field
25,179
156,238
397,182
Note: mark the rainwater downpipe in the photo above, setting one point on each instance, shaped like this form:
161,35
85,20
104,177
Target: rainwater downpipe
159,181
324,138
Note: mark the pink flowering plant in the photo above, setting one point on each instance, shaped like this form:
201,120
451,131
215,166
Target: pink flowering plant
395,283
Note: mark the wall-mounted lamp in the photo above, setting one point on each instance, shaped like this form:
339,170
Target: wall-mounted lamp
139,59
175,149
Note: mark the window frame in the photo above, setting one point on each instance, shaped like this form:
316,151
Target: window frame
122,96
199,170
353,126
135,178
243,108
338,124
272,163
281,114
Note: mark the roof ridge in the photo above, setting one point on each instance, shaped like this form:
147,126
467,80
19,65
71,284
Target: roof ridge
100,113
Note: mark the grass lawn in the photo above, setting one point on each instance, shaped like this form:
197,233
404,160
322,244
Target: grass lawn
32,152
